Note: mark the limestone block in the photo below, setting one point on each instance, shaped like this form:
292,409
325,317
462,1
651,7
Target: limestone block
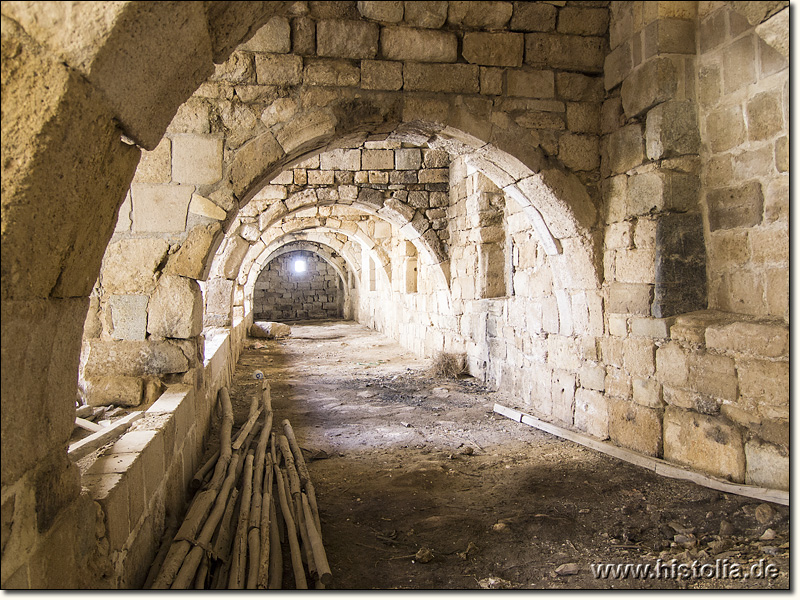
269,330
634,426
342,160
191,259
155,166
591,413
347,39
533,16
569,52
563,394
725,128
493,49
377,159
731,207
708,444
491,81
133,359
128,316
204,207
639,357
176,308
713,375
227,264
767,465
647,392
579,152
672,365
381,75
531,84
669,36
272,37
579,88
110,490
764,116
775,32
592,377
739,64
764,381
307,130
583,21
671,130
282,109
624,149
116,390
769,340
663,190
651,327
630,298
407,159
279,69
129,265
420,45
250,161
479,15
654,82
430,15
388,12
454,78
160,208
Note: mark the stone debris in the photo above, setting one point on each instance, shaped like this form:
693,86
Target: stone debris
568,569
269,330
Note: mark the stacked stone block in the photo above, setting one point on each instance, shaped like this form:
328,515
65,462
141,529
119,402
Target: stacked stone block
283,294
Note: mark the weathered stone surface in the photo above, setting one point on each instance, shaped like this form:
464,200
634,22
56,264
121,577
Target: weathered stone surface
634,426
731,207
196,159
769,340
388,12
583,21
133,359
591,413
421,45
228,262
671,130
767,465
116,390
219,297
459,79
269,330
272,37
571,52
764,381
347,39
534,16
654,82
279,69
128,316
250,161
764,116
160,208
176,308
662,190
192,258
331,72
381,75
426,14
493,49
306,130
206,208
624,149
669,36
531,84
129,265
709,444
484,15
155,166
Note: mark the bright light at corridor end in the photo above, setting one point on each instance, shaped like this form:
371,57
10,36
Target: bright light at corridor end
300,265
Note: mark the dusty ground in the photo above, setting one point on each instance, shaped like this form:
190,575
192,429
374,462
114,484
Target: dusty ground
398,477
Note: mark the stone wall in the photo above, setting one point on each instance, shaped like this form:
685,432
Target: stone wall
282,293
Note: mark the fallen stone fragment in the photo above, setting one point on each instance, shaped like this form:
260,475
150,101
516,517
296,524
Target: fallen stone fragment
424,555
567,569
768,535
495,583
269,330
764,513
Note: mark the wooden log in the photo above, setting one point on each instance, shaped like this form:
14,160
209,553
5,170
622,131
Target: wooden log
275,581
266,395
236,579
97,440
253,557
255,410
188,569
225,449
155,567
288,459
262,581
84,411
308,554
302,470
320,557
294,546
202,573
197,481
222,545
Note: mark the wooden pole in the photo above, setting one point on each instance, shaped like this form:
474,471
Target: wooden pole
239,552
188,569
262,581
291,532
255,410
202,472
275,581
302,471
202,573
166,542
320,557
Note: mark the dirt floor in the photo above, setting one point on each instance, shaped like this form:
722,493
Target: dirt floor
421,486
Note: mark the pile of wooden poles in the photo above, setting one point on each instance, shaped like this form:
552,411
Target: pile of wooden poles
250,503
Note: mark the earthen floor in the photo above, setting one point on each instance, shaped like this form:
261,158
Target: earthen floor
404,461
